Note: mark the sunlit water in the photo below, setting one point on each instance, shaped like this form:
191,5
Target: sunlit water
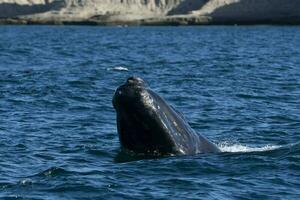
238,86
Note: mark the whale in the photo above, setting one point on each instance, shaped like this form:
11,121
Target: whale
147,124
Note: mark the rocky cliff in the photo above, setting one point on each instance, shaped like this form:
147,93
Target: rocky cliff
150,11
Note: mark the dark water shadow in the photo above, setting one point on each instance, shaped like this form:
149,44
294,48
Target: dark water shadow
124,156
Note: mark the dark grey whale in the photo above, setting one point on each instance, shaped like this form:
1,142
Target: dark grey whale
147,124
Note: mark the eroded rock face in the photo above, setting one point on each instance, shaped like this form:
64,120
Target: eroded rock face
86,8
183,11
252,10
16,8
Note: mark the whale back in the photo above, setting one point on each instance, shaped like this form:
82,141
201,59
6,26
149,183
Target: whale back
186,140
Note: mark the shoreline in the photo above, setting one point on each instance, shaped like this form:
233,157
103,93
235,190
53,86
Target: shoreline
150,12
171,21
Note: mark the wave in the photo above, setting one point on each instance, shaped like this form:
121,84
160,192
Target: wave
53,171
235,148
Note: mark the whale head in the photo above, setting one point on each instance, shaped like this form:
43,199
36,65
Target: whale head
142,125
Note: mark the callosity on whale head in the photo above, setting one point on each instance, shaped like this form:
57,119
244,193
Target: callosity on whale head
147,124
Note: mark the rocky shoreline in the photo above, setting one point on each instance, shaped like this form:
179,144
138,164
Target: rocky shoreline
161,12
180,21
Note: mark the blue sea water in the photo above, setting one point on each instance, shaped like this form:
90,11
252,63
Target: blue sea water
238,86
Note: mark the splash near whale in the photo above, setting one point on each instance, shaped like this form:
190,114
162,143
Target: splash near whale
147,124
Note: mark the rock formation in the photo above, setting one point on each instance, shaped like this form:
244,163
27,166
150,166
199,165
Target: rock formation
150,11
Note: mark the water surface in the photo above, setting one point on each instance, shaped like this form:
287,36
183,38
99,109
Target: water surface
238,86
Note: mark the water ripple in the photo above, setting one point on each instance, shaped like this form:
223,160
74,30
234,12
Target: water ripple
238,86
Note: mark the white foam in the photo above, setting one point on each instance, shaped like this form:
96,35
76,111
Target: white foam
26,181
226,147
118,68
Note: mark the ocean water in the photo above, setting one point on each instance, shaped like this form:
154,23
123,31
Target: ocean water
238,86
